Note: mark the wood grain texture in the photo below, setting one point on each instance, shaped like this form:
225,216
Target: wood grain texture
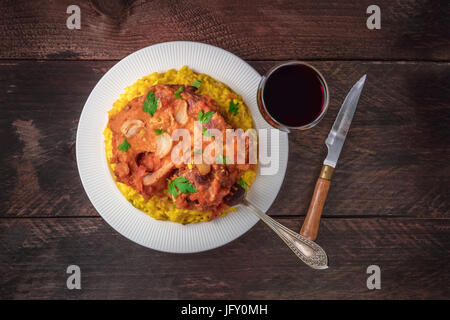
413,255
254,30
394,162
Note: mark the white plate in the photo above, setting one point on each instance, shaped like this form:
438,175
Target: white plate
96,178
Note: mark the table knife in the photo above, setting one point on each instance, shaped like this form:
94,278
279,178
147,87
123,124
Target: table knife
334,142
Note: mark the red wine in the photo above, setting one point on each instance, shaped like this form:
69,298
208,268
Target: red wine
294,95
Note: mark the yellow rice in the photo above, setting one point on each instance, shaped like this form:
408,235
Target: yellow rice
162,207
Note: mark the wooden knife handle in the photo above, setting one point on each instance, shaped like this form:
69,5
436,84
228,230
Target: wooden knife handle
310,226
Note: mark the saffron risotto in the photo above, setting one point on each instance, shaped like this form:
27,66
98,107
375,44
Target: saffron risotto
161,207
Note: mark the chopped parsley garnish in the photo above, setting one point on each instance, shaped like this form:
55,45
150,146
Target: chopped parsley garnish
206,133
205,117
197,83
198,152
159,131
243,183
124,146
150,103
233,108
177,93
181,184
221,159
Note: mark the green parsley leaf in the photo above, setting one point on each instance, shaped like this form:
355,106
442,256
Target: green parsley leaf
186,187
150,103
221,159
124,146
206,133
182,184
172,190
243,183
159,131
198,152
197,83
205,117
233,108
177,93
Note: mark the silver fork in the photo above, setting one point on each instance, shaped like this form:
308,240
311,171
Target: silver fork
308,251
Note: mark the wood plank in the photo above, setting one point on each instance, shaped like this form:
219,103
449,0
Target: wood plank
394,162
254,30
413,255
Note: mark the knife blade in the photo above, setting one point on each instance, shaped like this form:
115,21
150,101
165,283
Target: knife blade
338,132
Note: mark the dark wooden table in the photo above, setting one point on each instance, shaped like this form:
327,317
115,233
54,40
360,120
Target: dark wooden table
389,200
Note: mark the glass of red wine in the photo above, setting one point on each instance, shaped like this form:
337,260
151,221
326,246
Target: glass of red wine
293,96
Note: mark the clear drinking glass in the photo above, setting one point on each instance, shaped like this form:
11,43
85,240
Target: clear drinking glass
308,71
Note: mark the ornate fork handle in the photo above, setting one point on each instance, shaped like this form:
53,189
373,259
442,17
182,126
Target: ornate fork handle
308,251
